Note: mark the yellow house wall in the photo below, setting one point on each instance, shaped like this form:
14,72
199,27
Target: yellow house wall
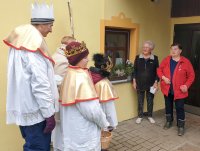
152,18
154,24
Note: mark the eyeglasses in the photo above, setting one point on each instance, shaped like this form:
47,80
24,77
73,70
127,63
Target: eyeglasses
146,48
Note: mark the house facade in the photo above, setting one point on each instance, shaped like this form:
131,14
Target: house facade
98,23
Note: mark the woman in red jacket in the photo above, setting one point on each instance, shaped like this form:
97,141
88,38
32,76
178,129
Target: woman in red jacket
176,74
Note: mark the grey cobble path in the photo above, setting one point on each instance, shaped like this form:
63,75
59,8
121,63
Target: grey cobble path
130,136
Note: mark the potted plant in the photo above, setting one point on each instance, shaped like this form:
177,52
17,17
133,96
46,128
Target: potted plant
129,69
122,71
118,72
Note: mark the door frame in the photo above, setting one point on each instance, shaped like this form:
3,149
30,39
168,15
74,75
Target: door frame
189,108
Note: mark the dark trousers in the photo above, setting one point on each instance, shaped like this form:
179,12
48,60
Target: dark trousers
35,139
179,104
149,97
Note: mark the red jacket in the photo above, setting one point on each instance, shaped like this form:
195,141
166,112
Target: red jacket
183,75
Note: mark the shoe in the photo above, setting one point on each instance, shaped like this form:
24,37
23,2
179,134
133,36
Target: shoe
151,120
139,120
181,129
169,122
167,125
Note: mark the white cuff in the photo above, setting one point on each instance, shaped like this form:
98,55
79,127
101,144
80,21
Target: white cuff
48,111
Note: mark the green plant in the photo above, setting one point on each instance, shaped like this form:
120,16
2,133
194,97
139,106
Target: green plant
129,68
122,69
118,70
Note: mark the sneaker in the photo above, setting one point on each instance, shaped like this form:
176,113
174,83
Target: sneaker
151,120
139,120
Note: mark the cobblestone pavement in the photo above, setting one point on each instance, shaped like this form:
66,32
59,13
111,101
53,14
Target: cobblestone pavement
130,136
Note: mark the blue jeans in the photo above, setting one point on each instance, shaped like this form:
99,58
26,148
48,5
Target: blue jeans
35,139
179,104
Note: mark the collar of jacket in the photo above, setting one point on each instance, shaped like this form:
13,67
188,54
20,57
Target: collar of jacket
151,56
182,59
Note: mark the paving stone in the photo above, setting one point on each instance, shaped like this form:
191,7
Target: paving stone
130,136
112,149
137,147
132,143
188,147
129,150
140,141
114,142
128,145
156,148
117,146
143,149
162,150
123,149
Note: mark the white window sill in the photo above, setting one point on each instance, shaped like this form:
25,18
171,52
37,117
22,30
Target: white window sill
120,81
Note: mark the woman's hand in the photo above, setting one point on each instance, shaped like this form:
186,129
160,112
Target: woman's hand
155,85
134,84
166,80
183,88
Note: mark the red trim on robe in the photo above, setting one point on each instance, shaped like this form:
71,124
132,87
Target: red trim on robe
111,99
23,48
78,101
77,67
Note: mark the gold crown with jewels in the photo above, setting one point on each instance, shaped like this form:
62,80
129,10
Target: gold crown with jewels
74,50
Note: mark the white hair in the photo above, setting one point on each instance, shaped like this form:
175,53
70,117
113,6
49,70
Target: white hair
150,43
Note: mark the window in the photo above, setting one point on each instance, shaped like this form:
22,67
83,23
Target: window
117,42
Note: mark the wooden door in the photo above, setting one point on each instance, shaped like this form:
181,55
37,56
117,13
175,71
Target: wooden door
188,35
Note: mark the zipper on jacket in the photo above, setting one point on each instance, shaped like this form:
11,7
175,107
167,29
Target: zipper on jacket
173,78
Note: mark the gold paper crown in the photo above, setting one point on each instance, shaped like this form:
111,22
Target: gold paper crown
76,49
108,65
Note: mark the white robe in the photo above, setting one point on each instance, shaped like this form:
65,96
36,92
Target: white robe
60,67
80,127
61,62
107,96
57,134
109,110
31,90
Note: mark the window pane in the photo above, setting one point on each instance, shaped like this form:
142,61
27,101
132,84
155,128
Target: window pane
117,47
119,57
115,40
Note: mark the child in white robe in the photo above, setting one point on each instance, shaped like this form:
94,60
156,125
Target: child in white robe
104,88
81,115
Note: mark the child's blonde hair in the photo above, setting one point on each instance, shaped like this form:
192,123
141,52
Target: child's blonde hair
67,39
